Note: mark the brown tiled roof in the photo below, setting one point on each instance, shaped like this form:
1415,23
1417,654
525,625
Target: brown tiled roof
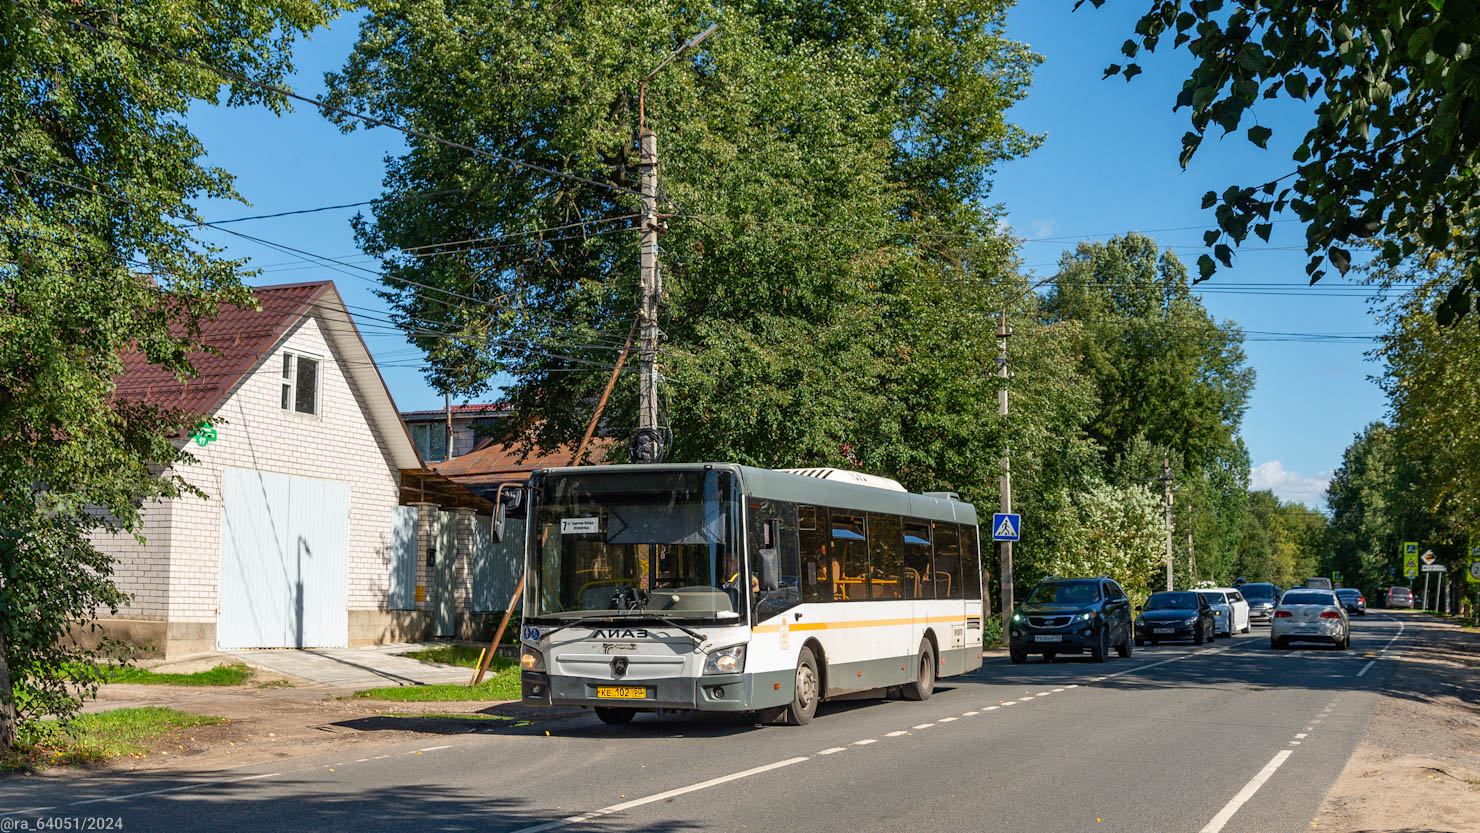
241,337
489,408
502,463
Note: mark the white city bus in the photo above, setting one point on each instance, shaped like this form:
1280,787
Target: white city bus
721,587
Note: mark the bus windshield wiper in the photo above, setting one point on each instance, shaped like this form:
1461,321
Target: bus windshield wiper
579,620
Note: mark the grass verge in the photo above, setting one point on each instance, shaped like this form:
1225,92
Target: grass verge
502,683
97,738
464,655
235,674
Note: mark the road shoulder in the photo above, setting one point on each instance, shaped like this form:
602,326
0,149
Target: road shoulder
1418,765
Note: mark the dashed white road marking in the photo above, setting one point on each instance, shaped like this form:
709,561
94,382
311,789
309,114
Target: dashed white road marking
127,796
1300,734
663,796
1246,793
1010,703
1043,694
865,741
947,719
1057,690
1366,667
990,708
832,750
896,734
1294,743
970,714
923,726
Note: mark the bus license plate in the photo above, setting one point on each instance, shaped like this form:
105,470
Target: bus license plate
1048,637
621,692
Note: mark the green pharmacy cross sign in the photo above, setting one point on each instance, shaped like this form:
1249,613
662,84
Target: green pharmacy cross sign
204,433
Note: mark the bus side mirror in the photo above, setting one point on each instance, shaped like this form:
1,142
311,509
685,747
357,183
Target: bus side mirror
770,569
504,500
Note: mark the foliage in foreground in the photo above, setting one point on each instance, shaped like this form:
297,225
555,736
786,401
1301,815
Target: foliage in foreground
97,259
97,738
1395,145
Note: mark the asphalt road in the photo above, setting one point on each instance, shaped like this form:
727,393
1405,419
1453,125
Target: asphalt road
1229,737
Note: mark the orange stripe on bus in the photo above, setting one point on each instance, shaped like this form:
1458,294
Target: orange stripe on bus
861,623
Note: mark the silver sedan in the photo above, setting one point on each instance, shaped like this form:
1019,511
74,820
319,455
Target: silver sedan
1309,616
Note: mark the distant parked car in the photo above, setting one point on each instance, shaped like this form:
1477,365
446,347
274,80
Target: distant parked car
1230,611
1353,600
1174,614
1262,597
1399,597
1310,616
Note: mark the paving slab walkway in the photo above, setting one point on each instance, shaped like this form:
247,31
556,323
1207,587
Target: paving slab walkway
368,667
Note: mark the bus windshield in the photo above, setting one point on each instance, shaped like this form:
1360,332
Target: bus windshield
620,543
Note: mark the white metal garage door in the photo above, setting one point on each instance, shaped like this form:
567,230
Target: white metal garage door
284,554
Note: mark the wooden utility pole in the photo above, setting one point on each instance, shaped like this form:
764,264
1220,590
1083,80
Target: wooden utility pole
1166,484
1006,482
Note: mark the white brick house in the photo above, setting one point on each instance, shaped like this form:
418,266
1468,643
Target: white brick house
301,535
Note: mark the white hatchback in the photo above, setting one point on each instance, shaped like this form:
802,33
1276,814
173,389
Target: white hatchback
1230,610
1309,616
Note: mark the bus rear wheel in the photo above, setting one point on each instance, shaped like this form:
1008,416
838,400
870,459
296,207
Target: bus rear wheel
808,690
924,682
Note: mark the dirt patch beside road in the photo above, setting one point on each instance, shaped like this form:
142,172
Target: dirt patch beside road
265,724
1418,766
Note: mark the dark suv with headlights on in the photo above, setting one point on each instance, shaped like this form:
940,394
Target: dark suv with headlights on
1262,597
1072,616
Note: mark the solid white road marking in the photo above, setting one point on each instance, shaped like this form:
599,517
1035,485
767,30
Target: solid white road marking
433,748
1366,667
833,750
174,789
1246,793
663,796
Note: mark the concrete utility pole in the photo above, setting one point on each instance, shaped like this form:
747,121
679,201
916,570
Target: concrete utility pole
1166,484
1006,484
647,417
646,441
447,453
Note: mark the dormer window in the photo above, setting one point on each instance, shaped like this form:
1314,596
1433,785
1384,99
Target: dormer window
300,383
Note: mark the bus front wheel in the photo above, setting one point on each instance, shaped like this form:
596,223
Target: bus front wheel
808,690
615,717
924,682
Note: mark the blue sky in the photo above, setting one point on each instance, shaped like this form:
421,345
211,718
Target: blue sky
1108,165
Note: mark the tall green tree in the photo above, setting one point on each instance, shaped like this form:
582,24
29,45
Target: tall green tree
1162,368
831,260
97,176
1365,527
1395,146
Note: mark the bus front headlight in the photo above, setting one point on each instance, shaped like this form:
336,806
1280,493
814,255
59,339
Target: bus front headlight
531,660
725,661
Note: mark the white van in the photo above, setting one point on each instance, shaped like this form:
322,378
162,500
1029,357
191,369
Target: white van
1318,583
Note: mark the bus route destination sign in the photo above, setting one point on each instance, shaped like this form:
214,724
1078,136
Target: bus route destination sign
1006,527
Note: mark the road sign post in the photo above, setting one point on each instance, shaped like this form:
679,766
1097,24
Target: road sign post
1410,559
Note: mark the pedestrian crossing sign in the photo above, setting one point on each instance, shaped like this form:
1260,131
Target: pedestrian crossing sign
1006,527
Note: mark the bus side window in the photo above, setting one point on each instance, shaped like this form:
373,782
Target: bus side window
947,561
917,579
971,566
886,556
849,556
812,540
